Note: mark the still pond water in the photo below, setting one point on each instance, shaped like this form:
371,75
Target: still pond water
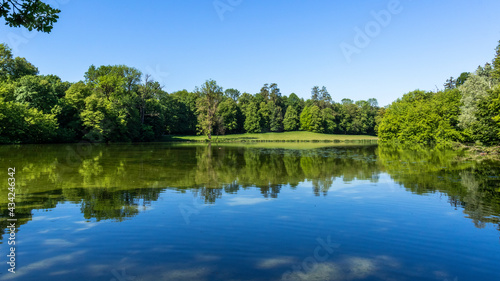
196,212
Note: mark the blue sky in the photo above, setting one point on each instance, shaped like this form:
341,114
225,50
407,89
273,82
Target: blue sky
296,44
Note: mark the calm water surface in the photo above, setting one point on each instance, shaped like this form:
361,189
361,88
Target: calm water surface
195,212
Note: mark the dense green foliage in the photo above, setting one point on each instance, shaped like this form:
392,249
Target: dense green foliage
467,110
291,121
118,103
21,122
32,14
422,117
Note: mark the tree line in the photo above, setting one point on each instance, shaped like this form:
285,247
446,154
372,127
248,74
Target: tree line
467,110
119,103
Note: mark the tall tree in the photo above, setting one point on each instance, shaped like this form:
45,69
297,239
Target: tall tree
232,93
151,110
276,117
264,92
486,72
315,95
320,97
291,121
244,100
149,90
462,78
12,68
112,110
494,107
229,113
295,102
180,112
325,98
252,118
328,119
41,92
310,119
451,83
348,123
265,117
496,63
473,91
210,95
275,94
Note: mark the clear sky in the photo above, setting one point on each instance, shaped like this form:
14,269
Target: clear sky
243,44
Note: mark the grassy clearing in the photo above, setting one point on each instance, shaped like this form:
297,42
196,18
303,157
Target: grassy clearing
281,145
276,137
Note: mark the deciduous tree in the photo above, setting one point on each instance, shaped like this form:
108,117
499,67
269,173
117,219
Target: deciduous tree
252,118
291,121
32,14
210,95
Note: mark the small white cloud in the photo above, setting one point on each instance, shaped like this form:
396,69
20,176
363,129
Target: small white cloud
45,264
276,262
86,225
45,218
241,201
58,242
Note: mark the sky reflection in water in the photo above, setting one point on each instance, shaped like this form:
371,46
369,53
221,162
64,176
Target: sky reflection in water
178,212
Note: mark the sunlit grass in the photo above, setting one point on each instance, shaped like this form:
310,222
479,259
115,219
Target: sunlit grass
299,136
281,145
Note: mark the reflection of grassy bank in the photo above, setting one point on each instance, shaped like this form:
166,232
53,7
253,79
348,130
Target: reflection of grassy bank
464,152
479,153
276,137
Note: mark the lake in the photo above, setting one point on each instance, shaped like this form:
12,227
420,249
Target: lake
161,211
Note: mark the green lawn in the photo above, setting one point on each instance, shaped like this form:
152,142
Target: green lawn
282,145
299,136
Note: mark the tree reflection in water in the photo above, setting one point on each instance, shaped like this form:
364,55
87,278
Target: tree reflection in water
115,181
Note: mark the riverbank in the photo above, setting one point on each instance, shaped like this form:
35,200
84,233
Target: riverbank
299,136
